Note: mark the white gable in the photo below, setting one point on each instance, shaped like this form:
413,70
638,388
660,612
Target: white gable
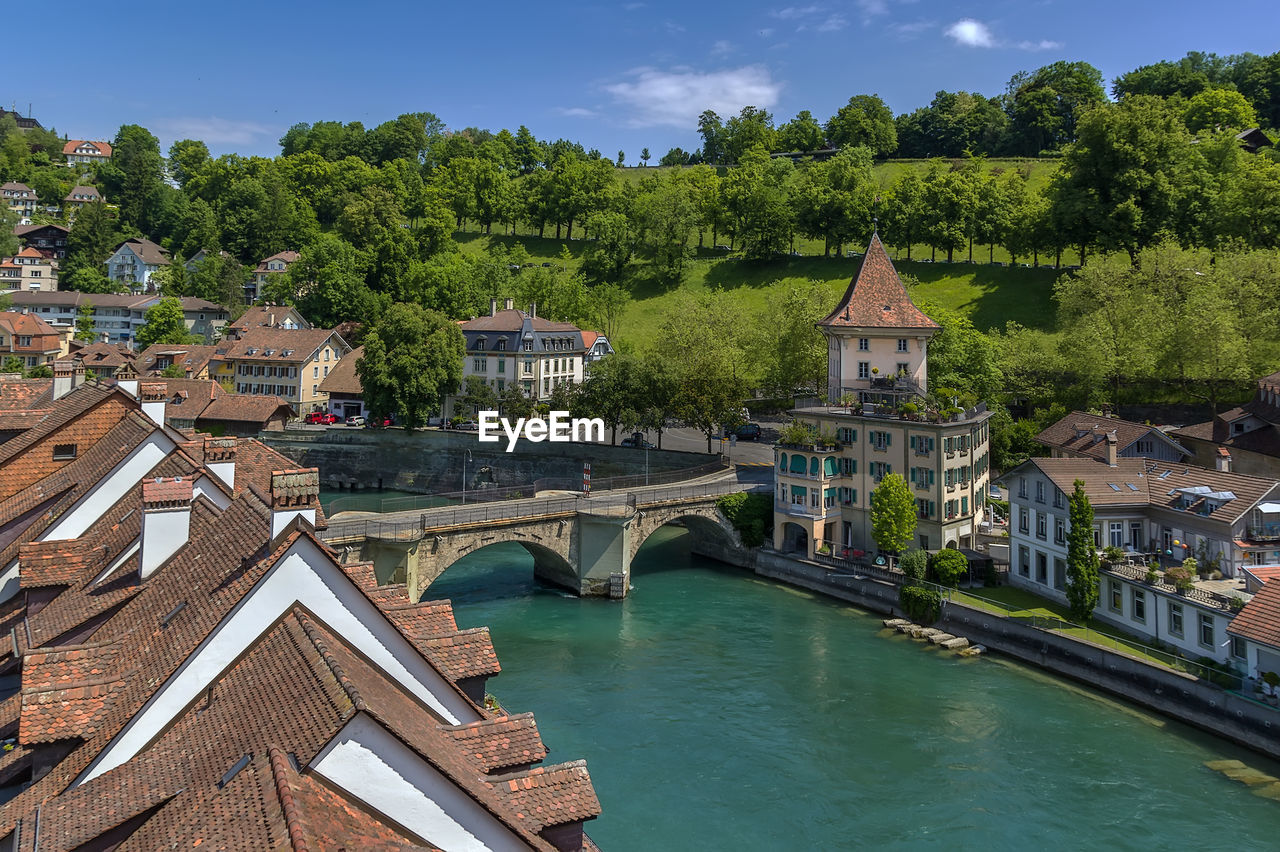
371,765
304,575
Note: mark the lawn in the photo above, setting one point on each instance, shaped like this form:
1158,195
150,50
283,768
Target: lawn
1021,604
989,295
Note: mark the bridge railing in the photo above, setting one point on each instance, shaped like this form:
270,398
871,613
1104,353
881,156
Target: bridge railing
365,502
410,528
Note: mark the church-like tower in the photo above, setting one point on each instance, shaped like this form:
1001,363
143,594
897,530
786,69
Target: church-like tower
877,339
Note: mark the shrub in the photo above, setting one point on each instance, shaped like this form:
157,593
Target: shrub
1113,554
915,564
1180,577
750,514
1152,576
1236,603
948,566
920,604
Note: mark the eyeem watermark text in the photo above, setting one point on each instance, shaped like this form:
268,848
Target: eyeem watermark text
559,426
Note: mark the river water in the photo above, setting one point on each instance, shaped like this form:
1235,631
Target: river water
720,711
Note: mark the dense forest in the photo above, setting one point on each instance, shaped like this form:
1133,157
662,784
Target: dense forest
1157,169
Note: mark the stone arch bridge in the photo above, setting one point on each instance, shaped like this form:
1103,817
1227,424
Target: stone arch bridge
583,544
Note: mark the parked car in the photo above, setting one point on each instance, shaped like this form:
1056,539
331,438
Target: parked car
748,432
637,441
357,420
322,418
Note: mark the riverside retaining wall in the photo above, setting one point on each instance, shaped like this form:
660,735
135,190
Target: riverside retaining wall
431,461
1175,694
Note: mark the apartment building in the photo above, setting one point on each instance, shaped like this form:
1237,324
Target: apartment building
288,363
883,423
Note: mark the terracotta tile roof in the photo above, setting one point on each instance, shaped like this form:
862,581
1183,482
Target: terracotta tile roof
83,193
54,563
1152,483
244,408
513,320
62,411
502,742
589,338
421,621
551,795
1259,621
343,378
194,359
464,654
1085,434
876,297
300,343
23,395
72,144
23,230
66,691
269,316
149,252
97,355
287,256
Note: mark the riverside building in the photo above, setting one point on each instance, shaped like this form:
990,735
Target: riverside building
879,419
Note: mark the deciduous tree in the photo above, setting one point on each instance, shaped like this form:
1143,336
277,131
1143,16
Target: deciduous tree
1082,556
893,514
412,360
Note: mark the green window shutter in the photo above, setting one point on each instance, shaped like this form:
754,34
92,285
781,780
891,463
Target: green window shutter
829,466
931,479
964,505
911,442
888,439
798,491
913,476
813,466
782,463
930,445
855,466
888,469
854,498
797,464
853,436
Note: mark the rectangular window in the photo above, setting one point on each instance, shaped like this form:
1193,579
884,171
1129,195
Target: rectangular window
1117,599
1059,531
1115,533
1024,561
1139,600
902,367
1175,618
1059,574
1042,568
1206,630
1135,535
64,452
902,344
1238,649
1024,521
1057,499
864,369
315,371
1041,519
864,344
1039,490
922,508
502,365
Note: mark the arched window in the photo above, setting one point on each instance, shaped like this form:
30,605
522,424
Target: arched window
797,464
782,463
813,466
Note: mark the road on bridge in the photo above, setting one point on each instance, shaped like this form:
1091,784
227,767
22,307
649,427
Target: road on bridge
410,525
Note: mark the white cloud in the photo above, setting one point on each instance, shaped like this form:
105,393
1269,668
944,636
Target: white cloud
911,29
1043,44
833,23
677,97
722,48
632,7
795,13
213,130
576,112
971,33
872,8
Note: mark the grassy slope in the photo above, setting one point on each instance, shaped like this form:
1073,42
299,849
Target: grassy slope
990,295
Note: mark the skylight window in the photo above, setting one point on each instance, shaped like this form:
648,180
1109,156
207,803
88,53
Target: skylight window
1113,486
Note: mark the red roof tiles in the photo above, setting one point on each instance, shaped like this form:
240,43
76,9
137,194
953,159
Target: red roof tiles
1259,621
876,297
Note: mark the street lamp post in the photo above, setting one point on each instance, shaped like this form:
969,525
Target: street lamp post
466,457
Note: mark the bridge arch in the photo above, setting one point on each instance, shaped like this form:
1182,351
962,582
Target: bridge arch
548,543
703,521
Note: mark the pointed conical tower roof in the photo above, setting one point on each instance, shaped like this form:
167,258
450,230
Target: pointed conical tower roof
876,298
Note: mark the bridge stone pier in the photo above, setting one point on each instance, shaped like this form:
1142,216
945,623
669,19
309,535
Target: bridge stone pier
581,544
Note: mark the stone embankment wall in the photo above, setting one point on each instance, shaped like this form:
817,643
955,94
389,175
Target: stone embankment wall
431,461
1175,694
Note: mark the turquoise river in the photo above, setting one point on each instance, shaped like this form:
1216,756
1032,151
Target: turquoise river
720,711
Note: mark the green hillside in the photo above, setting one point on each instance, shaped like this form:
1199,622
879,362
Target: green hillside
990,295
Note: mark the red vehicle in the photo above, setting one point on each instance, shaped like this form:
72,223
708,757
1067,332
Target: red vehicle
322,418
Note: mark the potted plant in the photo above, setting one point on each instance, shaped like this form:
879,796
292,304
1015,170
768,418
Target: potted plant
1181,578
1272,681
1236,603
1152,576
909,410
1112,554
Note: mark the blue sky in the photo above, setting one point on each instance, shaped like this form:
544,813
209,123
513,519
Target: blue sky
613,76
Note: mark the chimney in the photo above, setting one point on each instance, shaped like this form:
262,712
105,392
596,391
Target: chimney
1111,449
510,304
152,395
493,307
1223,461
166,521
220,460
63,371
77,375
533,310
294,493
